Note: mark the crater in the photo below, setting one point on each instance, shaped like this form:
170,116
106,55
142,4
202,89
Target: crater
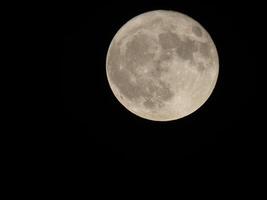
200,67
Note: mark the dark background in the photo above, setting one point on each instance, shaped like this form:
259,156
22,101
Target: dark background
93,125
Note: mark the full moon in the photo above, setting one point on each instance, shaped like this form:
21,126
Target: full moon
162,65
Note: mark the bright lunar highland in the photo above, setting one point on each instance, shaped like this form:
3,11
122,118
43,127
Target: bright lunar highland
162,65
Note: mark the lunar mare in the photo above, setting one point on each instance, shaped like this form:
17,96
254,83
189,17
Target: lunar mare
162,65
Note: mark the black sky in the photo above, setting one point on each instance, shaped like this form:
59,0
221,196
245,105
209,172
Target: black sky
95,126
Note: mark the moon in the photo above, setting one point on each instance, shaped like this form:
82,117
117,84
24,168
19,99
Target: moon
162,65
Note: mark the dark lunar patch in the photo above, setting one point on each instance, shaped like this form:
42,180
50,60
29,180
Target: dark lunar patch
159,67
164,56
204,49
157,70
168,40
197,31
164,92
184,49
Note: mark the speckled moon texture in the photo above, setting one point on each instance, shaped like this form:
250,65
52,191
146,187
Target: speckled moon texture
162,65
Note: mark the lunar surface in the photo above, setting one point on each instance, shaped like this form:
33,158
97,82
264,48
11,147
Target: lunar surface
162,65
